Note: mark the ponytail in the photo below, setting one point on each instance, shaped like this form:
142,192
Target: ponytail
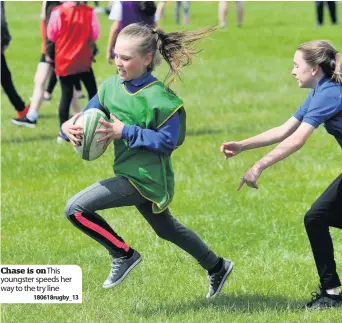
337,75
176,48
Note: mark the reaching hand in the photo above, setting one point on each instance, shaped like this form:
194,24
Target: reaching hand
111,131
231,149
73,132
250,177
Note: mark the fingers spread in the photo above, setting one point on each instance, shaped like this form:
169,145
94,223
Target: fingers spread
78,131
103,138
101,130
76,141
242,182
76,116
104,123
113,117
252,184
107,143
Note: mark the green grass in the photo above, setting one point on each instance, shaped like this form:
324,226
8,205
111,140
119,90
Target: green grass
238,86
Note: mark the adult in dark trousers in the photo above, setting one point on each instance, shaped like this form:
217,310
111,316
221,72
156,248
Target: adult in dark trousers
317,65
320,12
6,77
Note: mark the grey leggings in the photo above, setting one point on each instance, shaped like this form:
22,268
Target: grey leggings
117,192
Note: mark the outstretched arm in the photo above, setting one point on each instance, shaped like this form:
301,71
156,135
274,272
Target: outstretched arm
286,148
269,137
272,136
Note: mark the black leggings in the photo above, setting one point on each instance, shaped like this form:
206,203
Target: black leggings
8,86
67,87
53,81
325,212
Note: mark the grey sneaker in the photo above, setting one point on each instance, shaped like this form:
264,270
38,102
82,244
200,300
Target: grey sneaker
217,280
24,122
120,268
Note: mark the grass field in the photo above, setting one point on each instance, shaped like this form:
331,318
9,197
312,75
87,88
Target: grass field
238,86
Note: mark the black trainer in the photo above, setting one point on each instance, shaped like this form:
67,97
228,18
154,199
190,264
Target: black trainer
322,299
217,280
24,122
120,268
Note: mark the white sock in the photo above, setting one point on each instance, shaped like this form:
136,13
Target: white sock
32,115
333,291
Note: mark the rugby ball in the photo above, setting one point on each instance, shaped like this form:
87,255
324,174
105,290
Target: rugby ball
89,120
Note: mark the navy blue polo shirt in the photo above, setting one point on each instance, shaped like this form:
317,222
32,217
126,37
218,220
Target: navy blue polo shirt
323,105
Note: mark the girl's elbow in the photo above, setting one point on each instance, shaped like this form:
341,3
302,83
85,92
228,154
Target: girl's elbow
169,147
299,143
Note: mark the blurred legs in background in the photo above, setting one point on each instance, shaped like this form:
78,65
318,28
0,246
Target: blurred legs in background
10,90
185,5
51,85
320,12
43,72
223,11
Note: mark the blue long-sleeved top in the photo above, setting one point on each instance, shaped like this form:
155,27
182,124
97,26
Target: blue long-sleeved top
164,139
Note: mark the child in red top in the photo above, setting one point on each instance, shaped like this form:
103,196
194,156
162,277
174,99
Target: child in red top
73,28
45,69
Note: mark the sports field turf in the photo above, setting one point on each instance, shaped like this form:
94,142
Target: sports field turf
238,86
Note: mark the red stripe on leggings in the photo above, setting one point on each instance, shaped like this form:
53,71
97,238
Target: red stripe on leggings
93,226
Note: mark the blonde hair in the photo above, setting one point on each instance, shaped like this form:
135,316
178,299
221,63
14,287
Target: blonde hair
176,48
324,54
